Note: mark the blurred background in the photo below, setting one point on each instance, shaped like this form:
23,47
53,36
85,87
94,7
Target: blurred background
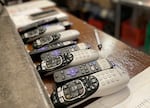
126,20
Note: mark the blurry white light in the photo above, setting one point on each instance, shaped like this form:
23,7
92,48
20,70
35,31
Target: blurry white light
140,2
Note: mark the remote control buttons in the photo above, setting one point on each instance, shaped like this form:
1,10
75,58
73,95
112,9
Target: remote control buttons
94,67
34,32
73,90
84,56
104,64
72,72
77,71
42,41
55,36
41,29
59,51
37,52
60,44
91,83
108,77
67,58
73,48
52,53
51,63
54,98
49,38
56,62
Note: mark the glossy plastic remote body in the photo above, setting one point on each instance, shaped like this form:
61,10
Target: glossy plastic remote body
44,13
71,73
50,47
67,35
84,88
66,60
67,49
36,24
40,31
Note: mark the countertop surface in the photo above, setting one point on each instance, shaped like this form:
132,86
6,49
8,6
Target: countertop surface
20,85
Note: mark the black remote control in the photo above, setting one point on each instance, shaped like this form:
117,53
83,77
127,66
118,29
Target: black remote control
43,14
37,52
37,24
67,49
34,34
67,35
74,91
46,40
84,88
71,73
55,62
67,59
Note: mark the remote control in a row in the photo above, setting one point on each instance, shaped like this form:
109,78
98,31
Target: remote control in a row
33,33
36,24
41,31
50,47
84,88
71,73
43,14
67,35
67,49
67,60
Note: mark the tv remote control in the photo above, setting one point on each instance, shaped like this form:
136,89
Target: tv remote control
71,73
67,49
41,31
36,24
67,35
66,60
84,88
36,52
44,13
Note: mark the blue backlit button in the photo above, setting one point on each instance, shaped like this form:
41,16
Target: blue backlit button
72,71
56,52
42,49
